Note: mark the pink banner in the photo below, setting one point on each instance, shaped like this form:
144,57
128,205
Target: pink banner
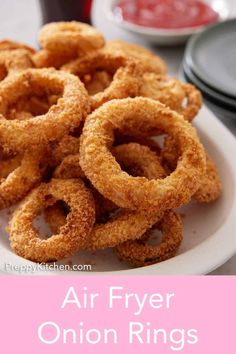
117,314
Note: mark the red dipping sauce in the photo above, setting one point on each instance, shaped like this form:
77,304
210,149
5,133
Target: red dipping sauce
166,14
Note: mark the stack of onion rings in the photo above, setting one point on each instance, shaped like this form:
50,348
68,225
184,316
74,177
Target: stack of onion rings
124,225
78,145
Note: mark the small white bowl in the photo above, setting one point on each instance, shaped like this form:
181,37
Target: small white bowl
163,36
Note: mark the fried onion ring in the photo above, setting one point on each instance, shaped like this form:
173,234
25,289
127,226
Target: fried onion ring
70,37
68,145
172,93
63,117
19,175
13,61
126,73
149,61
46,59
146,141
140,115
210,187
97,82
125,225
134,158
7,44
25,239
9,164
139,160
139,253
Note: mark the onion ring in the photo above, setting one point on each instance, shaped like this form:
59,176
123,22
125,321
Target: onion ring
69,168
25,239
125,225
63,117
139,160
13,61
9,164
149,61
136,159
31,106
18,176
139,253
210,187
46,59
125,81
70,37
68,145
140,115
146,141
172,93
7,44
97,82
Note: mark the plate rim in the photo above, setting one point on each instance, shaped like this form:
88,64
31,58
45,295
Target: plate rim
196,260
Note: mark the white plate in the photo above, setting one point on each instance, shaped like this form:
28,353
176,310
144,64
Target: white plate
209,230
163,36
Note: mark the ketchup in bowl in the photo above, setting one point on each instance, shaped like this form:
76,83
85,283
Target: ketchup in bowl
166,14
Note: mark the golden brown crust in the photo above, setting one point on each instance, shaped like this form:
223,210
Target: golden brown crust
139,253
12,61
139,160
135,115
69,168
210,187
62,117
9,163
70,37
126,75
25,239
149,61
7,44
68,145
97,82
47,59
25,172
125,225
172,93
